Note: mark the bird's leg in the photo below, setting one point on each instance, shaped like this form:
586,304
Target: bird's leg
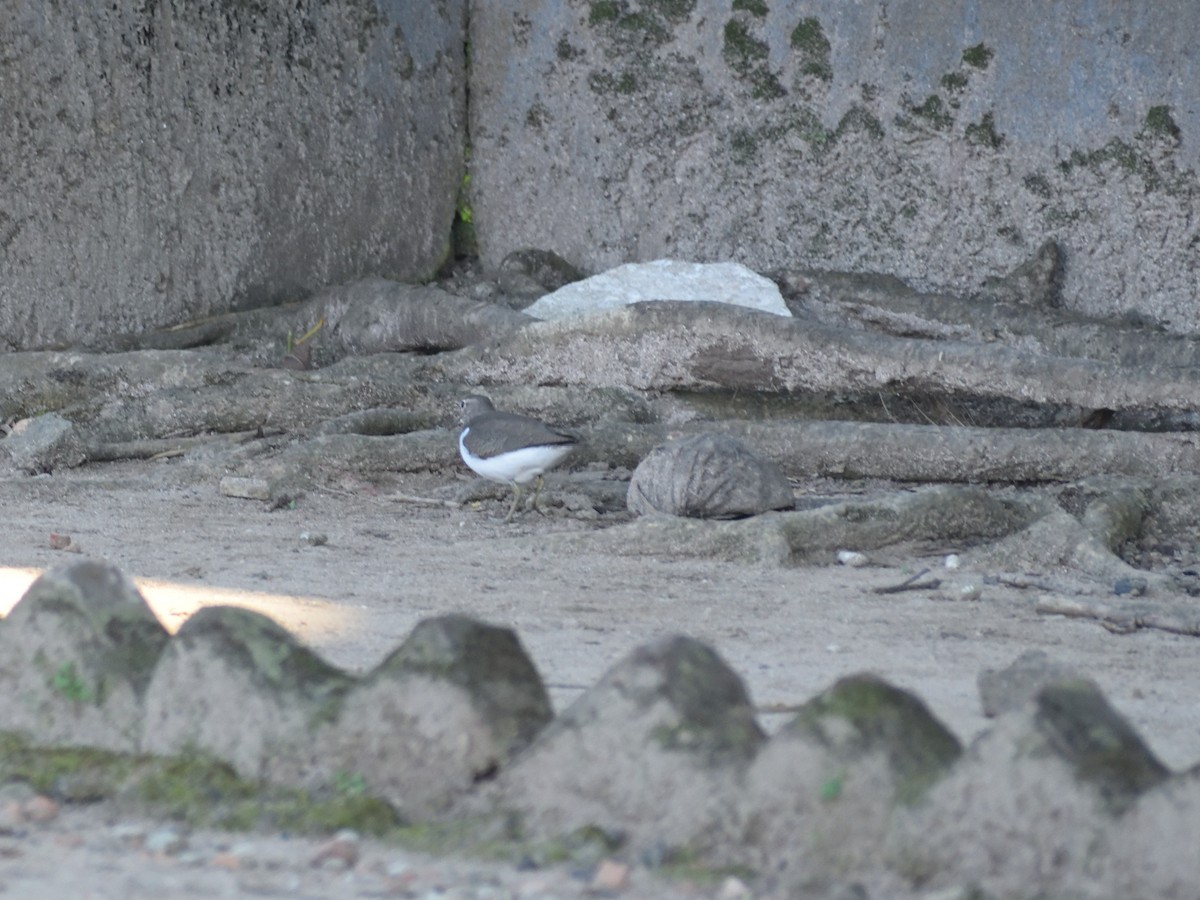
516,499
537,491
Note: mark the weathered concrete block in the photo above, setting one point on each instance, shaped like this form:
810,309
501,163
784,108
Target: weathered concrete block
1036,799
165,161
819,797
650,752
941,142
76,654
234,684
450,706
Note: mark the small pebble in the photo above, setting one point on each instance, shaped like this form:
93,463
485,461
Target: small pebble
972,590
952,561
733,888
610,875
339,853
165,841
1135,587
852,558
316,538
40,809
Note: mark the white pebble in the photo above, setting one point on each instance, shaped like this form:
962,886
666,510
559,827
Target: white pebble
951,561
852,558
972,590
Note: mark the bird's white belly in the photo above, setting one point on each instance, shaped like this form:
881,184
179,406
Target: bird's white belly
517,466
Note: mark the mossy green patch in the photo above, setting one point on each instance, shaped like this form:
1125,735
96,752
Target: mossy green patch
740,49
954,82
1107,753
67,682
934,111
882,719
1160,123
979,56
754,7
604,82
746,55
192,788
1038,185
1116,154
602,11
652,22
983,133
813,48
270,653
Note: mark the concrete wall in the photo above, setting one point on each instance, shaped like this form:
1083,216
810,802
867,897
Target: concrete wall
942,142
172,158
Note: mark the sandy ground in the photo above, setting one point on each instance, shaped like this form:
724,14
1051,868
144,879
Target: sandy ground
386,563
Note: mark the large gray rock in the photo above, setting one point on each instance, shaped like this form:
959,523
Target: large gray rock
941,142
76,656
44,443
164,161
707,476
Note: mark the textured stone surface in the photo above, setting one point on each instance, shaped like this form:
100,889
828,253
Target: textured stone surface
941,142
663,279
820,794
650,752
168,160
1035,798
43,444
234,684
1001,690
708,476
76,656
450,706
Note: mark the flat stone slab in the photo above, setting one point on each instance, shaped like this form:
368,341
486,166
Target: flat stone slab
662,279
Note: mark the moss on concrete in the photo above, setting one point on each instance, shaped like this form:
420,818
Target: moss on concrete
933,111
813,48
955,82
979,56
605,83
1160,123
882,719
740,48
1038,185
194,789
271,653
746,55
1106,752
754,7
603,11
983,133
715,718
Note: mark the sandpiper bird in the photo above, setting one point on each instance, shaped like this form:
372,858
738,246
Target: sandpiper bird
509,448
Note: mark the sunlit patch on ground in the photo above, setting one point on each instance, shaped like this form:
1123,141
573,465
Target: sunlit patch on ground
311,619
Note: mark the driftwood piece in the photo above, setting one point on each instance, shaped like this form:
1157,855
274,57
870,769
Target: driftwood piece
940,513
369,316
1128,615
885,303
697,346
